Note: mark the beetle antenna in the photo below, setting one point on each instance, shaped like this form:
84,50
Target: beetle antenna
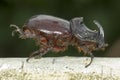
92,57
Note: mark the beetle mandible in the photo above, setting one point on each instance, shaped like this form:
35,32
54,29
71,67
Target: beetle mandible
56,34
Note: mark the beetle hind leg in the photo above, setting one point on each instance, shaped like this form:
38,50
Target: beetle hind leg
92,57
37,54
17,29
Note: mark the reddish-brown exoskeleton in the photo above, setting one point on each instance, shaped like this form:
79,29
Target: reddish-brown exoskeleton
56,34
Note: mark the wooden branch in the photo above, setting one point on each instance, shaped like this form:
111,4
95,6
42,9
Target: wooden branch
59,68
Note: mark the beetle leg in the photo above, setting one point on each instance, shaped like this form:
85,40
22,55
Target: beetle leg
32,55
38,53
92,57
16,30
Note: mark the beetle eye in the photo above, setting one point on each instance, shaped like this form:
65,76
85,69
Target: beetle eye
97,45
81,22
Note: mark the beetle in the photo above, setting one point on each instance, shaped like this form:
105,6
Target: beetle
56,34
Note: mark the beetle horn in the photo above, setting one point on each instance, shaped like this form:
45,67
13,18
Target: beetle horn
101,31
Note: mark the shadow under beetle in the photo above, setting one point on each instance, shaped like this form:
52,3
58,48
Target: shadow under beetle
56,34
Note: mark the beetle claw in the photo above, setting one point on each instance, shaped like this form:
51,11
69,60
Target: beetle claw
92,56
13,33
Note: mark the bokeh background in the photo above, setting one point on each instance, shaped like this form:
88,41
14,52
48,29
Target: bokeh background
107,12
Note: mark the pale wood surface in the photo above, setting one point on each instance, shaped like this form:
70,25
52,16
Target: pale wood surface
59,68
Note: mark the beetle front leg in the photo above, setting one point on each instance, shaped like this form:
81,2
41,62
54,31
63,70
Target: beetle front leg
38,53
92,57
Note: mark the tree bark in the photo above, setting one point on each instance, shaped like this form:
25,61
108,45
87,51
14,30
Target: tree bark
59,68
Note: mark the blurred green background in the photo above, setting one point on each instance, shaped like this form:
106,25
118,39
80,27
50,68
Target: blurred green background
107,12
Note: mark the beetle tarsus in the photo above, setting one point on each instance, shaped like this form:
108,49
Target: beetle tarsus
32,55
36,54
92,57
17,29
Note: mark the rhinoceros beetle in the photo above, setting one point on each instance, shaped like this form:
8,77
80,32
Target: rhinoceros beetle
56,34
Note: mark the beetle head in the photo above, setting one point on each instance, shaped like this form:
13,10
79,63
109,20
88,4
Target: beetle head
79,29
100,39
